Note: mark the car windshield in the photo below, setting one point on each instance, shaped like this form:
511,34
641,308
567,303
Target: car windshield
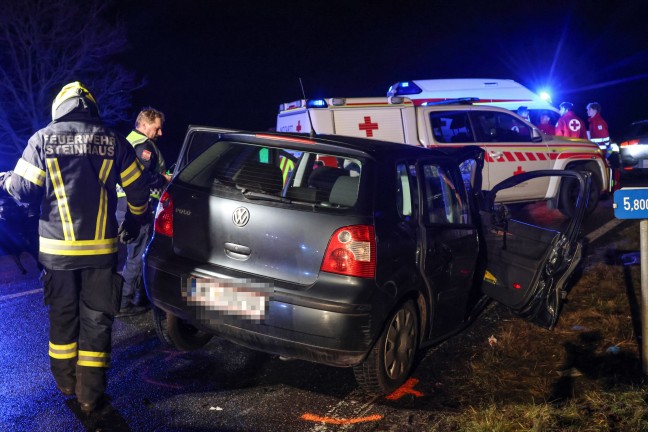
276,174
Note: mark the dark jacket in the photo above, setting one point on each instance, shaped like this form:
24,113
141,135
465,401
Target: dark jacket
150,157
71,167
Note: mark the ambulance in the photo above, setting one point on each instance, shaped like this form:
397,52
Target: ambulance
412,113
504,93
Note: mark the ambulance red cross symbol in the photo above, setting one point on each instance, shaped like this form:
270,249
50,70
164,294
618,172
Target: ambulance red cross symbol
368,126
574,125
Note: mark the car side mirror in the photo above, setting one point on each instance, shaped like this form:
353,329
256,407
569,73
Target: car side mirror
536,135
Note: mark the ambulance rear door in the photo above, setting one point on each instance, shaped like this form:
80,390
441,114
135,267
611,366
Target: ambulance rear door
373,119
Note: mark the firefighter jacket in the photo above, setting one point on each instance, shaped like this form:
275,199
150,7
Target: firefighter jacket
151,158
570,125
598,130
71,167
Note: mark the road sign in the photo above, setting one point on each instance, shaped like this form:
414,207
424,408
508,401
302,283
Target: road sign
631,203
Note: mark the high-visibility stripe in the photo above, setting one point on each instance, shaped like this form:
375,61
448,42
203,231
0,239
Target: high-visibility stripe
137,210
531,156
93,359
30,172
67,351
61,198
102,213
130,174
78,247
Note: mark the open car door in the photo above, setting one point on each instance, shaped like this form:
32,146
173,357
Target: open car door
528,266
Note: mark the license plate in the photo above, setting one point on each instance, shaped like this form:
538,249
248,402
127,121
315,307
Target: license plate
241,298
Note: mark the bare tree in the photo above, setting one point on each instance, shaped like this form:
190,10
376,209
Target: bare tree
45,44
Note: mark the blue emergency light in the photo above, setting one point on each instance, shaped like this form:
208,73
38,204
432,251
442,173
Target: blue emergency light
403,88
316,103
545,96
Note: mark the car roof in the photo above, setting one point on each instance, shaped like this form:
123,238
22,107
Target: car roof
338,144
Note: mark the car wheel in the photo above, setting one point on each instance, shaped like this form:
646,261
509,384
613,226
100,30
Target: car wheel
569,194
178,333
390,361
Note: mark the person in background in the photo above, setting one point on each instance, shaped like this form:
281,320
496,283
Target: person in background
524,113
598,133
148,127
598,128
545,125
569,124
70,168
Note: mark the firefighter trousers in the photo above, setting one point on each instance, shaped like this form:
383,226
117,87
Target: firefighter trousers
82,304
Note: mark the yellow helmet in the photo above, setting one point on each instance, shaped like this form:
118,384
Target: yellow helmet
68,92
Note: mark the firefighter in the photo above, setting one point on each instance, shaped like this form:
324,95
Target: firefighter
71,168
148,127
569,124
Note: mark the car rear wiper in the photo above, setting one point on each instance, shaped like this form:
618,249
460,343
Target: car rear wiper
256,195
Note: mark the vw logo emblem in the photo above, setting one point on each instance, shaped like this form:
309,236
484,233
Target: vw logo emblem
241,216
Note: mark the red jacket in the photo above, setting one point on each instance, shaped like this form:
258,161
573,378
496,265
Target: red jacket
570,125
547,128
598,128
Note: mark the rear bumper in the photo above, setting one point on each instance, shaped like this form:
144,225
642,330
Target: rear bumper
295,325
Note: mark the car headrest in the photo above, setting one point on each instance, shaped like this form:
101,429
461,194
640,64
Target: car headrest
345,191
259,177
324,177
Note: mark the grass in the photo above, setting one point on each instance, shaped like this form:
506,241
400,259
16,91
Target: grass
584,375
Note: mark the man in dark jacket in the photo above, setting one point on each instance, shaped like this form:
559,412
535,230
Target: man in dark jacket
148,127
71,169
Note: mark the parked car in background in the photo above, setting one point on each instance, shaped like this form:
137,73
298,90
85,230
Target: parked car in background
633,147
344,251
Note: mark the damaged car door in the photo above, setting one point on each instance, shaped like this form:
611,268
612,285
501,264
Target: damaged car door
528,265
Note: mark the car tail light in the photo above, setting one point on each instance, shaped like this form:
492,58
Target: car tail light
164,215
629,143
351,251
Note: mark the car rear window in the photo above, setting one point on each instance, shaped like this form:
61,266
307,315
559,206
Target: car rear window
277,174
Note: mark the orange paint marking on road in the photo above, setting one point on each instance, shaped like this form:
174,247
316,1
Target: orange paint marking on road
329,420
406,388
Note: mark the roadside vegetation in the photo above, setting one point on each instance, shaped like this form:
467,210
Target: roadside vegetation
584,375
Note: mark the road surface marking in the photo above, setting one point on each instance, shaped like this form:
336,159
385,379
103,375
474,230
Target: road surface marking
20,294
602,230
330,420
407,388
351,409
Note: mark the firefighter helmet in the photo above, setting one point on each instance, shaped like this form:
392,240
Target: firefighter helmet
72,96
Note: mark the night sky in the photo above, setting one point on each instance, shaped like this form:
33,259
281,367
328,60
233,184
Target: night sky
231,63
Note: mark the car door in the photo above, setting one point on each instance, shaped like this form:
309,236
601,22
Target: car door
512,148
529,266
449,241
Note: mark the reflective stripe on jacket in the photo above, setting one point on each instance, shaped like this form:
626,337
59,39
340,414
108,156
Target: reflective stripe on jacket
71,167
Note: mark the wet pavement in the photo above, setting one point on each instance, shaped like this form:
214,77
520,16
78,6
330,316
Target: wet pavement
223,387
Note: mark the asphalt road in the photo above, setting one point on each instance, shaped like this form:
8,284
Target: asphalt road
220,388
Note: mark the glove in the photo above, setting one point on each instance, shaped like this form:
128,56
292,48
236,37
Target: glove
128,230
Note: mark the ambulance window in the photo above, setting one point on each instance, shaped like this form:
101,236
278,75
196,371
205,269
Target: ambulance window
403,192
445,199
451,127
495,126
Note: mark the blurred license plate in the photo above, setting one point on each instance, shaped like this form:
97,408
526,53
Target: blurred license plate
243,298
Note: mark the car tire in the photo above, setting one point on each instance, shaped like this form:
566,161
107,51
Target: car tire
391,360
569,193
175,332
